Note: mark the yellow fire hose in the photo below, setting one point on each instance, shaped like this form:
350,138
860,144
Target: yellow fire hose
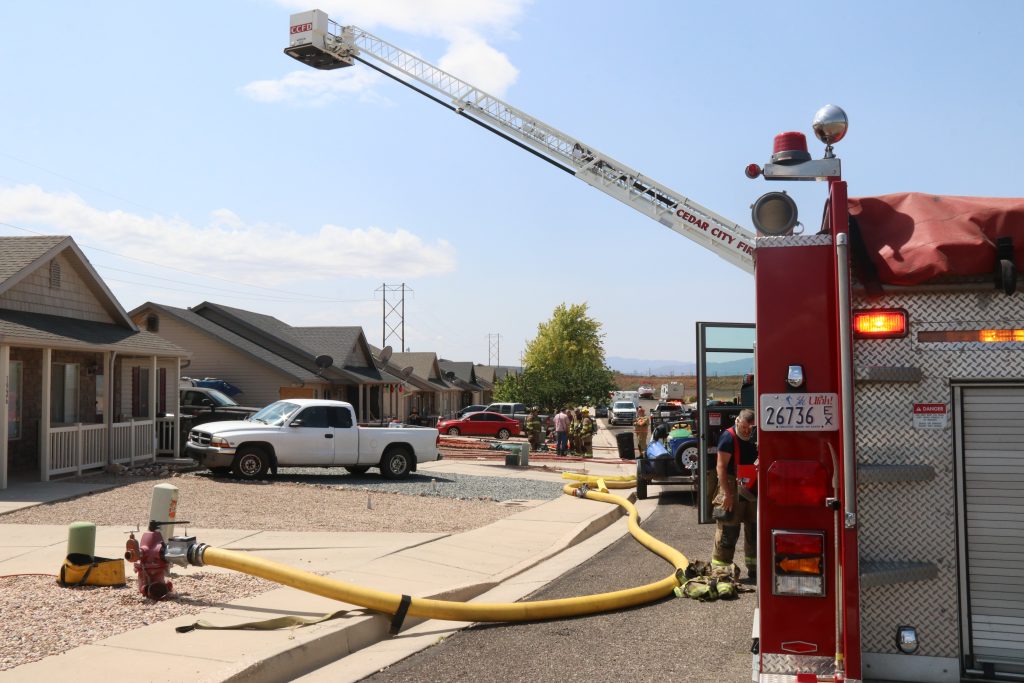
391,603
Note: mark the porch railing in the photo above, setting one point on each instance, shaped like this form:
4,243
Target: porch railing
165,436
81,447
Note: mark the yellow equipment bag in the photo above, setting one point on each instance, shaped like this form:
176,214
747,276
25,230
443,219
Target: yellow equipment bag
85,570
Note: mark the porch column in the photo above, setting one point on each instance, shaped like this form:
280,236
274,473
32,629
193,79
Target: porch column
5,381
44,416
362,402
176,441
108,403
154,389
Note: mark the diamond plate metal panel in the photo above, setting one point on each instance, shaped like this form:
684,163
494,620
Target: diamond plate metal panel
916,521
767,242
788,664
881,474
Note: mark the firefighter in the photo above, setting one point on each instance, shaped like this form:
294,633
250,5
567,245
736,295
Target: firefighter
640,426
534,429
735,502
587,434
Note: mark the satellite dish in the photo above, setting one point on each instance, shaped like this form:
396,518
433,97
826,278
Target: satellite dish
406,372
383,356
324,361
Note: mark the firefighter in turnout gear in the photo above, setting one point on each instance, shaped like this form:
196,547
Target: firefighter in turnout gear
640,426
587,434
735,502
534,429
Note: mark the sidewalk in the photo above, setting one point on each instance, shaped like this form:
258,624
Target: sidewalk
503,561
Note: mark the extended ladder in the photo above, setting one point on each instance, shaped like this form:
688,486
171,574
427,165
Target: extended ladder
325,44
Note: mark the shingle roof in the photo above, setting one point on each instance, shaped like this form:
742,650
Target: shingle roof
422,362
229,337
18,252
304,342
52,330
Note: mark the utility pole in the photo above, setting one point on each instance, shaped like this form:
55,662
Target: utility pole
392,303
494,349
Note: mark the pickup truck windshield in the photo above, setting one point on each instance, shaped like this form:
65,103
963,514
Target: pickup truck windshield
624,405
220,399
275,414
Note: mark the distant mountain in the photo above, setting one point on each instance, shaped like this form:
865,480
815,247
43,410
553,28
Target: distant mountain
655,368
668,368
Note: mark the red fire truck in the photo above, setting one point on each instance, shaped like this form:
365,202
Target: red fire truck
890,381
890,395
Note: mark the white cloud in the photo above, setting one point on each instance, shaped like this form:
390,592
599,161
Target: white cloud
256,254
313,88
465,24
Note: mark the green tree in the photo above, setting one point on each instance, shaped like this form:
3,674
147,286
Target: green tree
563,365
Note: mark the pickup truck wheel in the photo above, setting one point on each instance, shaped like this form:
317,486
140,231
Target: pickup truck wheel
453,431
503,433
357,469
396,463
251,463
686,459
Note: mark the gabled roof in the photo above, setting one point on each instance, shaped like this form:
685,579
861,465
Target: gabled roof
22,256
242,344
38,329
463,372
301,345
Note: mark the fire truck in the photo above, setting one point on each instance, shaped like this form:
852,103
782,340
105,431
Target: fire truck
889,372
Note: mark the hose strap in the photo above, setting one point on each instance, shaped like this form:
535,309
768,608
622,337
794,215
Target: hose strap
399,617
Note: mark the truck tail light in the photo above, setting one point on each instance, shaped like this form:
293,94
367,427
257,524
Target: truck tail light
798,562
880,324
797,483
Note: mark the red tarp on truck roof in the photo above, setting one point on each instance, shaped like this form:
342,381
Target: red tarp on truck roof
912,238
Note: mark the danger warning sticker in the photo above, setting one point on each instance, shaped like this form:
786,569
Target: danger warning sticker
930,416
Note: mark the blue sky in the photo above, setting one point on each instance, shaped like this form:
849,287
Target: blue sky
194,161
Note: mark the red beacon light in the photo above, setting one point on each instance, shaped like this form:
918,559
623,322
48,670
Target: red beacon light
752,171
790,148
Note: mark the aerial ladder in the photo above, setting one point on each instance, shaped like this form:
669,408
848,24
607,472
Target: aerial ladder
319,42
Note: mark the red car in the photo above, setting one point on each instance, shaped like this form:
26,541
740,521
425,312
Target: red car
480,424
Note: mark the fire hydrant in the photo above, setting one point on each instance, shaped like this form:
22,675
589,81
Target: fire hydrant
148,559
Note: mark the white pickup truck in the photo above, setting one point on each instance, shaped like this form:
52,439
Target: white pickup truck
305,432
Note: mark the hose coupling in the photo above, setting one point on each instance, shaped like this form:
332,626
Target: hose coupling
184,550
581,491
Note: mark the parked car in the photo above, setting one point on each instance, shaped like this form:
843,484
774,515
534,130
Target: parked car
476,408
601,410
622,412
306,432
645,391
209,405
481,424
517,411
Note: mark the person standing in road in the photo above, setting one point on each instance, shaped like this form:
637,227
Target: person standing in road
640,426
735,502
561,431
534,429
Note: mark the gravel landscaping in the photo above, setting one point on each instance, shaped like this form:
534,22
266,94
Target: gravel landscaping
298,500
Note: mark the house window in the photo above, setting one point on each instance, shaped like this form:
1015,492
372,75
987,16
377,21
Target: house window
152,323
54,274
64,393
14,401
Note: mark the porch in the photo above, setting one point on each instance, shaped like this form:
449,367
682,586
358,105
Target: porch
81,447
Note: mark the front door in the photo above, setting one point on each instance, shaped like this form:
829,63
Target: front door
991,460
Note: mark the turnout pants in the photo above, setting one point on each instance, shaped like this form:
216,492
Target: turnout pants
727,534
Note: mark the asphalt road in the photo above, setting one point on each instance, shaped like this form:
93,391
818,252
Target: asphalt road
672,640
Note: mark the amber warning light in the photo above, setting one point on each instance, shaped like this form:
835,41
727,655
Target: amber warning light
880,324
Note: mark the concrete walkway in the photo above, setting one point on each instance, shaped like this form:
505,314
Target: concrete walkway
498,563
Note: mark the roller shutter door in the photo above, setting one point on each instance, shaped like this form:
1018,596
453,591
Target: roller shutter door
993,448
